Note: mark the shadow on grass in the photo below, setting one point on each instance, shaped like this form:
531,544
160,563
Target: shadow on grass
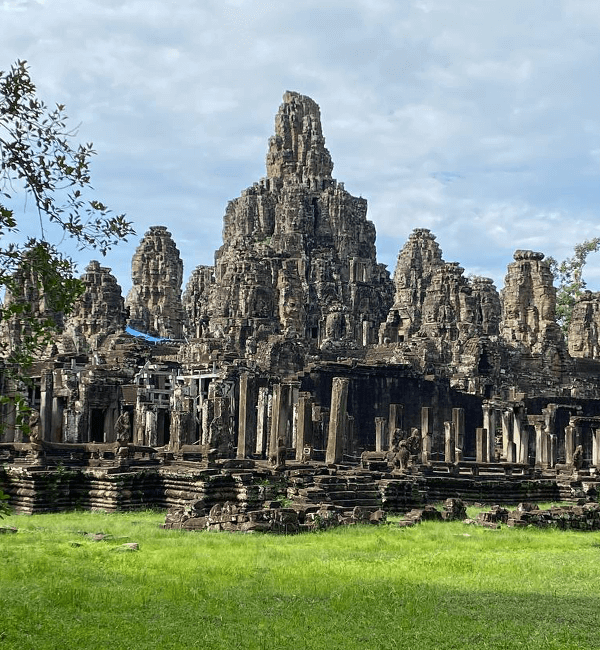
249,615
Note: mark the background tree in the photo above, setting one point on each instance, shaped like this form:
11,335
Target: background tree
569,277
42,167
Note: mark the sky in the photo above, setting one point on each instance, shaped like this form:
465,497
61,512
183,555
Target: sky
477,119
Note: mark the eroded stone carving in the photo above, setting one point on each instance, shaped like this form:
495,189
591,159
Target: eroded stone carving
154,301
99,312
529,303
298,261
584,328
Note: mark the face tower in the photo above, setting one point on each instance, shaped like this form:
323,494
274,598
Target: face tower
298,262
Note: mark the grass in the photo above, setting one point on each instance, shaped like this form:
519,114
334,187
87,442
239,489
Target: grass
439,585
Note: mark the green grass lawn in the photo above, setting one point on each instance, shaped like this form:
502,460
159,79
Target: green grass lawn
439,585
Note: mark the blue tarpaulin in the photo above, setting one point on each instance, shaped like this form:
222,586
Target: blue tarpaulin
146,337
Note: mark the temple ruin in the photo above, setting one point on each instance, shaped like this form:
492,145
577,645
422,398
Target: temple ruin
295,366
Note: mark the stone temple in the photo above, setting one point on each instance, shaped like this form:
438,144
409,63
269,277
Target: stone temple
297,359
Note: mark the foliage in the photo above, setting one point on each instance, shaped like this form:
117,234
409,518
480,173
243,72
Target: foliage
5,509
438,585
569,276
39,162
37,153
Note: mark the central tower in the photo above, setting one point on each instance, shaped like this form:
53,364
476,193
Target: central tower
298,260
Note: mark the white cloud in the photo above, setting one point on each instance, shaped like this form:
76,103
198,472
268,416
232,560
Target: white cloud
498,98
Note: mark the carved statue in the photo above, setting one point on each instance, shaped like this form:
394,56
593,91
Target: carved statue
123,429
216,511
34,430
122,434
413,442
279,457
578,457
396,438
251,345
401,458
35,439
216,432
307,454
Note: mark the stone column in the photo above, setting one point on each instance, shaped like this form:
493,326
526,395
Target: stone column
281,412
396,421
578,436
517,436
489,424
450,442
277,419
366,330
46,394
481,445
289,396
458,420
507,432
139,428
511,452
110,417
596,447
337,420
525,445
303,424
425,448
349,445
549,414
552,440
150,435
246,414
208,413
426,434
293,393
380,434
12,433
541,445
178,421
56,434
569,444
262,421
224,428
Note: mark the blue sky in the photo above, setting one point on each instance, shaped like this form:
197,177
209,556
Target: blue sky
478,119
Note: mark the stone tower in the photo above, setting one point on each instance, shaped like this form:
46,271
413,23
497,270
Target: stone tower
25,294
584,328
417,262
154,300
448,304
434,299
298,260
195,301
529,303
488,310
99,312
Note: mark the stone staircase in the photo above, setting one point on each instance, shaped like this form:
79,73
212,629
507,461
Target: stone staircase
341,489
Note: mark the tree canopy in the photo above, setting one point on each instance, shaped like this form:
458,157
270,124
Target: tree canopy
39,161
569,277
42,167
